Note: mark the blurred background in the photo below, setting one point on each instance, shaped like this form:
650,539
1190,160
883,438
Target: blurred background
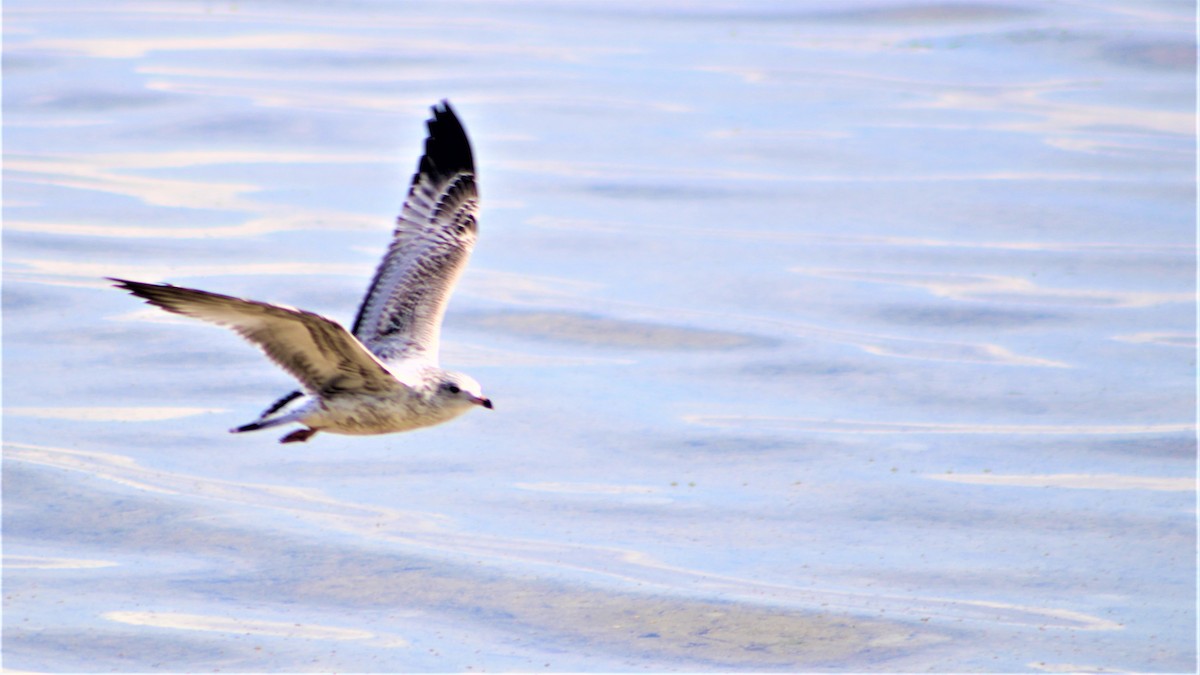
827,335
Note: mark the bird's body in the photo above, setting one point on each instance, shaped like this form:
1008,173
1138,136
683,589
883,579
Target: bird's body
361,413
384,376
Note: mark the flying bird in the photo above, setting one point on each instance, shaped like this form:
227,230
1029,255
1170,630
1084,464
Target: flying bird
383,375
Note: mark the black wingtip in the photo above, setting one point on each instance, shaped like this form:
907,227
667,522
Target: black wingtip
135,287
447,150
152,293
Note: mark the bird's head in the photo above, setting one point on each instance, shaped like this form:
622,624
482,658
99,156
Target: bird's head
464,388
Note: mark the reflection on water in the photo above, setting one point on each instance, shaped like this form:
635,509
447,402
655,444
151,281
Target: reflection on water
1015,290
1078,481
838,336
217,624
606,332
872,427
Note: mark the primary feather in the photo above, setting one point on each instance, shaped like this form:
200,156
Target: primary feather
401,315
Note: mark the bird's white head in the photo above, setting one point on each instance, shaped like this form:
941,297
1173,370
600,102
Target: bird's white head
457,387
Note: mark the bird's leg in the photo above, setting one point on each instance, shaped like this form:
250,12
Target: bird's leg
298,436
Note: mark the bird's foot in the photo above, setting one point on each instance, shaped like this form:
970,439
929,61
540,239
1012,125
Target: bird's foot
298,436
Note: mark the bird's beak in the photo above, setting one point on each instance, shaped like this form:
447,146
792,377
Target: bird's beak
485,402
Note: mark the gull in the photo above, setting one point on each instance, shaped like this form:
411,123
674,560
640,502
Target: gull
383,375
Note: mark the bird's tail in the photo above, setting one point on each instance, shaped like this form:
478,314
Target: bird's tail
266,424
265,421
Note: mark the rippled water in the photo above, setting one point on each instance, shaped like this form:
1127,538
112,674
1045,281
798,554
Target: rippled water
823,336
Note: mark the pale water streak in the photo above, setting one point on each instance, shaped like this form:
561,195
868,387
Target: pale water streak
876,427
1076,481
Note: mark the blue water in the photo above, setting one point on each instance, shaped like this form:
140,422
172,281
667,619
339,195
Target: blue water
823,336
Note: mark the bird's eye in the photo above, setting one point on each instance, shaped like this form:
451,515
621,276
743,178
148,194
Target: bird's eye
453,389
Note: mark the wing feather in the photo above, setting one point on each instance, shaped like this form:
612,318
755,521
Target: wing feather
401,315
318,352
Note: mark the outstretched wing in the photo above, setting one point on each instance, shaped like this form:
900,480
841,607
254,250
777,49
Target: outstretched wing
401,316
320,353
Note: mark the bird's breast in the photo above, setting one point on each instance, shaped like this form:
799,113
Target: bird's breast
383,413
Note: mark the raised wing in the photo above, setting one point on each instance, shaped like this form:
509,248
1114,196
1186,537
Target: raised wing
320,353
401,316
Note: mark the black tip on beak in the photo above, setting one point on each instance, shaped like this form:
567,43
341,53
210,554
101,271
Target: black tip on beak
480,400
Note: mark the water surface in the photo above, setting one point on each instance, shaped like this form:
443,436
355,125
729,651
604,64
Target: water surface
823,336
